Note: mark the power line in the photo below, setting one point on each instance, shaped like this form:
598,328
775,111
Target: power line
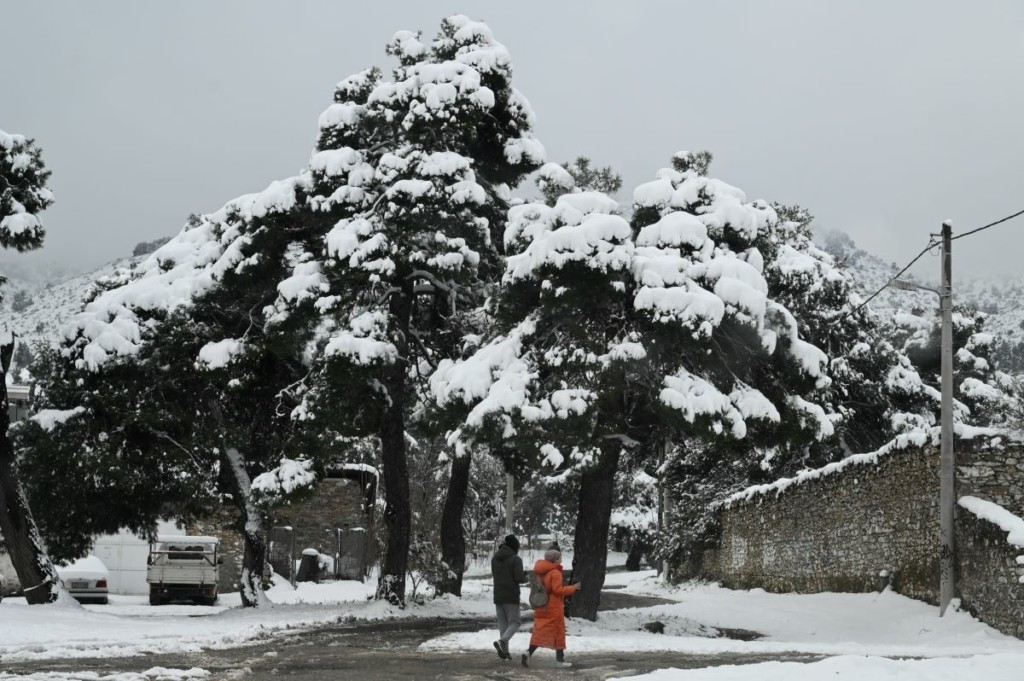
991,224
930,246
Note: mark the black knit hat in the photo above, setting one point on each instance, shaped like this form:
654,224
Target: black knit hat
511,542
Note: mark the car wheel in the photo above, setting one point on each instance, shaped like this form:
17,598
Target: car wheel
156,600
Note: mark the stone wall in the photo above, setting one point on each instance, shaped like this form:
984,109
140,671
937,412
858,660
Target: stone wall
831,534
870,521
995,474
344,502
339,503
989,574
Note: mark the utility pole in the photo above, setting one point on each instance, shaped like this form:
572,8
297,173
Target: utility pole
947,534
947,462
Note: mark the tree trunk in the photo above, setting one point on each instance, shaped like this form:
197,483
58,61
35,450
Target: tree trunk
397,521
590,548
453,540
636,554
397,516
24,544
254,558
254,555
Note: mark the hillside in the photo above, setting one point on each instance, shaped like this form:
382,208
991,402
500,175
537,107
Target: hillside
37,309
1001,299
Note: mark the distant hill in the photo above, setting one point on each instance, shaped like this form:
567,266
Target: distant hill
38,302
1001,299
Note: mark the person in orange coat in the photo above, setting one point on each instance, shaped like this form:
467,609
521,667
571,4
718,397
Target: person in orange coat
549,620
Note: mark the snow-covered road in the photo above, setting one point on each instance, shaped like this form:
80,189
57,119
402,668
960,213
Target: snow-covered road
858,633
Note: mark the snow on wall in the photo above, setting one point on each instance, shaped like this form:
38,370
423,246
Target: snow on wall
1012,524
991,567
918,438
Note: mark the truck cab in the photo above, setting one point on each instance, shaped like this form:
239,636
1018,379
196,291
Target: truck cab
183,568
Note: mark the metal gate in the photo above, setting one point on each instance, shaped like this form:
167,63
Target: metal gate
281,551
351,559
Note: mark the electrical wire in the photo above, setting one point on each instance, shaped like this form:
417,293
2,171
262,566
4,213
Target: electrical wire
991,224
930,246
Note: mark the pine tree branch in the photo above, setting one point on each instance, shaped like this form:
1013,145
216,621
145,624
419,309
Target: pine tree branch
165,436
623,438
423,348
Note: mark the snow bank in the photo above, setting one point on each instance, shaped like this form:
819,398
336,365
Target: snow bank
1004,667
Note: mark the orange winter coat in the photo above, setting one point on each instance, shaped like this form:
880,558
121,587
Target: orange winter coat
549,620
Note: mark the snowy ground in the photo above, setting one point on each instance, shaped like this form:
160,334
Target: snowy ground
859,632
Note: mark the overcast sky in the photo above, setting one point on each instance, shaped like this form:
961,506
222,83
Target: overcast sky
881,118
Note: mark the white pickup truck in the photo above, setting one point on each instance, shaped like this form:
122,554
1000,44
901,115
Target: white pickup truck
184,568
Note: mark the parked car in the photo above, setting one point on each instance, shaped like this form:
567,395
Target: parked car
184,568
86,580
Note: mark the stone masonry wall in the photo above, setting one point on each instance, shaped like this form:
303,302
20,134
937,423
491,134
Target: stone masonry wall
875,516
994,474
338,503
989,574
343,503
837,532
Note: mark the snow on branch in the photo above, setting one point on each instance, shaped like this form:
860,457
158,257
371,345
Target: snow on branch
290,476
48,419
184,268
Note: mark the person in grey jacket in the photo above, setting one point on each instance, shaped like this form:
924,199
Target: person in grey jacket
507,570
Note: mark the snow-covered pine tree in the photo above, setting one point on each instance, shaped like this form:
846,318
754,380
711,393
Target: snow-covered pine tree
870,397
869,374
635,521
414,175
579,176
23,195
609,345
554,383
984,396
123,449
341,280
735,373
177,388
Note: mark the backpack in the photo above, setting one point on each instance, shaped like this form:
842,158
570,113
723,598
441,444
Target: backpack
538,594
